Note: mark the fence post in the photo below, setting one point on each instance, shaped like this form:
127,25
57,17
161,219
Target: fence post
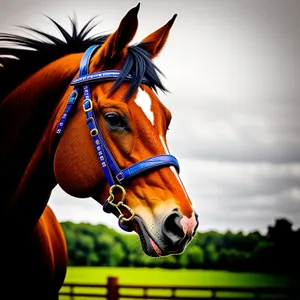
112,288
72,292
213,293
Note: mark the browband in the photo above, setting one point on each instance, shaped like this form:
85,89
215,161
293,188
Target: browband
109,75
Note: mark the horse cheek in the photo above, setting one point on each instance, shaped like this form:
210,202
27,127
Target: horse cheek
76,167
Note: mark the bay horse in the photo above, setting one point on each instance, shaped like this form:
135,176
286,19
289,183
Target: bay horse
83,113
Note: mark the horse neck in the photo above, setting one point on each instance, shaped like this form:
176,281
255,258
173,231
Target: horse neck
25,118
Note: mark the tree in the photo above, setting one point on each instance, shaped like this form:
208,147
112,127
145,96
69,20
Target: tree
195,257
278,251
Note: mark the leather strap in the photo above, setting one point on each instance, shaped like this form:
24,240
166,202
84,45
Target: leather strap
68,109
147,165
109,75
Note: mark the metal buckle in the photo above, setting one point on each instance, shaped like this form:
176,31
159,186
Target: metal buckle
73,97
120,204
94,132
90,105
120,176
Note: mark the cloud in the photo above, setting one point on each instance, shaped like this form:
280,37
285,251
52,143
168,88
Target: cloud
233,195
226,195
68,208
232,130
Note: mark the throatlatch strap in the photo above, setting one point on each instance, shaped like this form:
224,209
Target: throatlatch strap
68,109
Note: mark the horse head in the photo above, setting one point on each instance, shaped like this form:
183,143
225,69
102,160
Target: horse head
131,120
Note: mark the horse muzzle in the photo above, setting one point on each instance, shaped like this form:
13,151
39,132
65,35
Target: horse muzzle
176,232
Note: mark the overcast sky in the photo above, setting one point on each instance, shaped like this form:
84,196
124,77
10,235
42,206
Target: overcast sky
233,69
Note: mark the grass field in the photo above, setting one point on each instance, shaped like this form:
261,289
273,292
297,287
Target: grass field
158,276
174,277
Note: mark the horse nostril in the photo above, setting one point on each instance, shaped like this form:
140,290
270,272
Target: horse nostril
172,228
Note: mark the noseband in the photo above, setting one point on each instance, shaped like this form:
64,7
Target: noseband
115,176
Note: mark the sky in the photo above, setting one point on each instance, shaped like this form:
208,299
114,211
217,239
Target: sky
233,71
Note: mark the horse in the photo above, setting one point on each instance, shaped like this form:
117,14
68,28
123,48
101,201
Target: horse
83,113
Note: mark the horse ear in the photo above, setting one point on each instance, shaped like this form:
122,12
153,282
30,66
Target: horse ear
117,41
155,41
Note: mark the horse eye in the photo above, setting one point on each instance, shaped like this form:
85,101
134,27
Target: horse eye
113,119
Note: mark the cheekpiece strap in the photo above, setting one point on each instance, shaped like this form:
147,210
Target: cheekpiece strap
103,153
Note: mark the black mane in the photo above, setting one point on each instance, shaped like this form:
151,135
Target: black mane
139,65
28,55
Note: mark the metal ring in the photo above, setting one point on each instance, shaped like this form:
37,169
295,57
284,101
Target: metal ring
91,105
120,204
94,132
111,191
127,219
76,94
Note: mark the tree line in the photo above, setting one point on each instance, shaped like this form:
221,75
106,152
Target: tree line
276,251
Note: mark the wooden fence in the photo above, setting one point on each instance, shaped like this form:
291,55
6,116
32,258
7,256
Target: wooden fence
115,291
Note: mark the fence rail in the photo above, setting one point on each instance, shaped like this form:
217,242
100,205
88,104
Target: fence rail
115,291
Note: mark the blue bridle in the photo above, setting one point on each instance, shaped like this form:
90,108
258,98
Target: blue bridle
114,175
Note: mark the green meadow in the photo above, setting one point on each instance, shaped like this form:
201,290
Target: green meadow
158,276
176,277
